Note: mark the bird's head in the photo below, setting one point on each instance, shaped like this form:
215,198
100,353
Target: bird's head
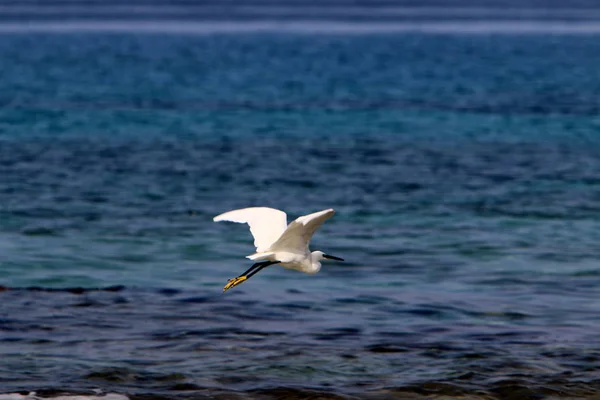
319,255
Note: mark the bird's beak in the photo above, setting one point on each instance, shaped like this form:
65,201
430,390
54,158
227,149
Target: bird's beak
327,256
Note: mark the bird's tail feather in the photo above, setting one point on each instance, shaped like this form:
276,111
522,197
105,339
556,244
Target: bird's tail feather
263,256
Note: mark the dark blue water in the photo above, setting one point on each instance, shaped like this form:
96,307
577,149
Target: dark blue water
464,167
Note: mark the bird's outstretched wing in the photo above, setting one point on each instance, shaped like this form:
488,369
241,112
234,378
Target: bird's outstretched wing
266,224
297,236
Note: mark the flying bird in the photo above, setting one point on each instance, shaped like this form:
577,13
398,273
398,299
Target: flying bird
277,242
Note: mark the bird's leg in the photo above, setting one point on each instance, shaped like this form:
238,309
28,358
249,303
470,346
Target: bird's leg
241,278
251,271
258,264
261,267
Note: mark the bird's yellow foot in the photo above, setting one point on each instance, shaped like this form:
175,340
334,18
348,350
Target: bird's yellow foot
234,282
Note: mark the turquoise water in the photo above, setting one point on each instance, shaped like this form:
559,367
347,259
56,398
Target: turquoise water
464,169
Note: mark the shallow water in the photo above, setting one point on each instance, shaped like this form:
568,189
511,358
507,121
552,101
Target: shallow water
464,169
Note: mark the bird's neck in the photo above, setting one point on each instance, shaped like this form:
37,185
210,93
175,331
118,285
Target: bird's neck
315,267
315,264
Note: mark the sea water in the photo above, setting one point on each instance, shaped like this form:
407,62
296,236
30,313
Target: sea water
463,163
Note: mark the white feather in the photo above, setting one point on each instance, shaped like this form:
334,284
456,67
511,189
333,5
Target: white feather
266,224
264,256
296,237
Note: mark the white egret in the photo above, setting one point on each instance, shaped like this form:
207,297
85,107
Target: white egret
277,242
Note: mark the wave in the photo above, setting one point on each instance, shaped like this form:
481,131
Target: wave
57,395
500,388
304,27
298,11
